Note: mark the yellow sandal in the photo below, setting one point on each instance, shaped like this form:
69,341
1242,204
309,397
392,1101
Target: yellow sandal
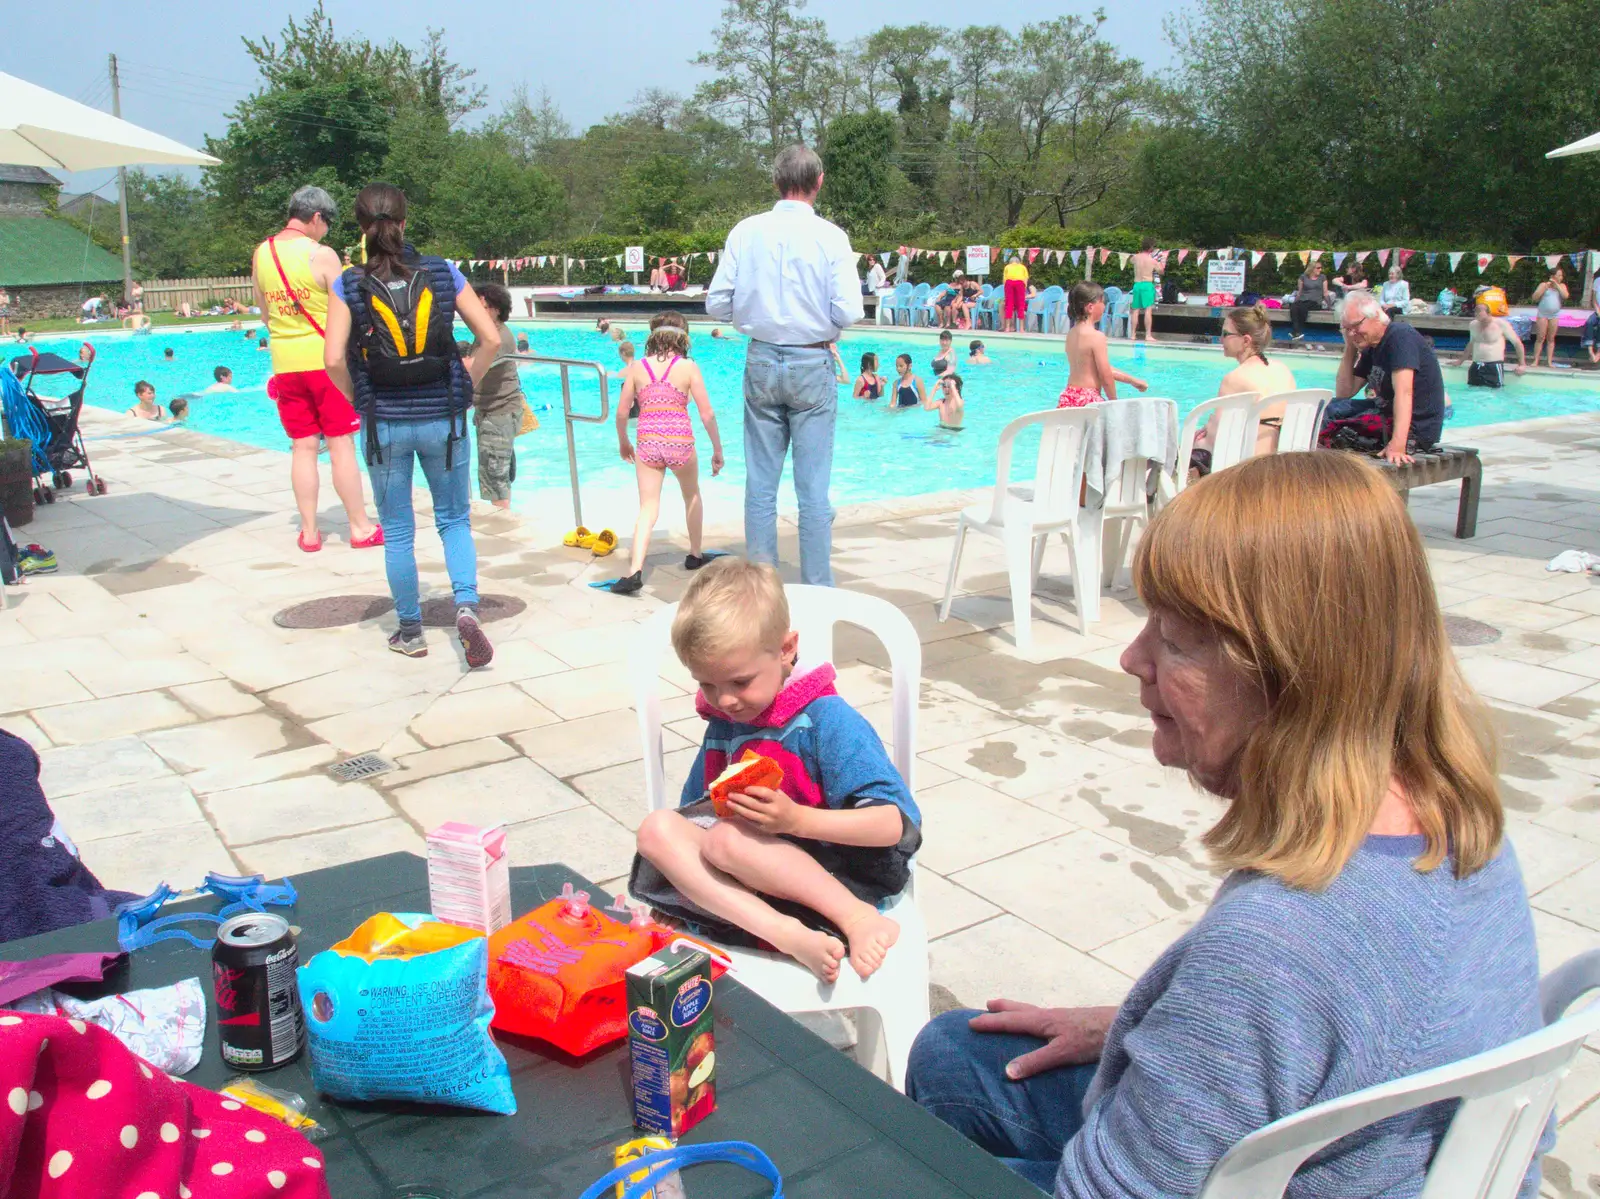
579,538
604,542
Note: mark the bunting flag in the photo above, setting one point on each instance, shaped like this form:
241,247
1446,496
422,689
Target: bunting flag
1551,261
583,264
1431,257
1455,258
619,259
1105,255
1512,260
1200,256
1182,255
1255,257
1077,256
711,255
1033,252
1483,262
1318,253
1280,255
1576,258
943,256
1122,261
1405,257
1383,258
1594,260
1361,255
1305,257
1338,258
884,258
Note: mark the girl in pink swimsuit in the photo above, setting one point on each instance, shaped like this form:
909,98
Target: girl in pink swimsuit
663,382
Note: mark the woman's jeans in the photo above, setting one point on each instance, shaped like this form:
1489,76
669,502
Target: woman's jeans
960,1076
399,443
790,395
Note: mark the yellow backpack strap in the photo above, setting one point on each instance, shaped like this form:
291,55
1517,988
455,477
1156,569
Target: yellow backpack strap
424,312
382,309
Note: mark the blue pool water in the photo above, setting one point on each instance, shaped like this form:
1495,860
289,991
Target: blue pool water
878,453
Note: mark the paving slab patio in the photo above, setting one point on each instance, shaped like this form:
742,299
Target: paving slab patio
181,730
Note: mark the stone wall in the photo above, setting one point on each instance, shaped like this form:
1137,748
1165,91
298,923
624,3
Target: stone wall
57,299
25,199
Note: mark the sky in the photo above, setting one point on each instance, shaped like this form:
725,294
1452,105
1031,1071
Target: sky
183,65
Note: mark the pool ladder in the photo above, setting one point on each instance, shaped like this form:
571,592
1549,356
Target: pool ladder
603,382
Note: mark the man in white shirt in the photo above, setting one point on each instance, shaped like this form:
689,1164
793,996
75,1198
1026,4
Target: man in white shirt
787,281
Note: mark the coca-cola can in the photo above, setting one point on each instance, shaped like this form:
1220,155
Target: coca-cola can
259,1020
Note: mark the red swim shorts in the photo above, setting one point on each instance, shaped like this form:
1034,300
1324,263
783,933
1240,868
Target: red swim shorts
309,404
1016,299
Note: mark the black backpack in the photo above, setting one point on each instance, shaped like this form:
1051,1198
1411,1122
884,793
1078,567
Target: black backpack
403,348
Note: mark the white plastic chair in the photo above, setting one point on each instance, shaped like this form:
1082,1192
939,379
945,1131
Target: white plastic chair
1127,501
1023,516
1235,439
1302,417
1506,1097
892,1005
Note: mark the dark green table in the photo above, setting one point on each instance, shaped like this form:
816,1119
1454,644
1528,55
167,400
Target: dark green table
832,1128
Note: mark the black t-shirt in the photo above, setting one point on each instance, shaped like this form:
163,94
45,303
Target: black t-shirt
1404,349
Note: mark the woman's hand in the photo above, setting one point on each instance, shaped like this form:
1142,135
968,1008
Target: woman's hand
716,461
625,448
1073,1036
767,811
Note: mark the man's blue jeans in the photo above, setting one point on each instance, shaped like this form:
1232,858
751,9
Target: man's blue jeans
790,395
424,441
960,1076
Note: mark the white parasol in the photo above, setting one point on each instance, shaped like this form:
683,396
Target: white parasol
39,128
1586,145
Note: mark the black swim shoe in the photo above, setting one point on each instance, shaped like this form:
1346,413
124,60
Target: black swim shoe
628,584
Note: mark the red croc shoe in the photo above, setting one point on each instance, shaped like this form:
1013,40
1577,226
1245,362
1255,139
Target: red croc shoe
309,547
371,539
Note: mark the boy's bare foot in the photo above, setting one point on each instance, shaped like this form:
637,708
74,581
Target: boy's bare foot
817,951
870,935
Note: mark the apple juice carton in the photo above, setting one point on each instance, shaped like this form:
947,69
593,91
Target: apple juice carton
670,1040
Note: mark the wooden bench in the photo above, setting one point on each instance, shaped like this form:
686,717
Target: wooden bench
1440,466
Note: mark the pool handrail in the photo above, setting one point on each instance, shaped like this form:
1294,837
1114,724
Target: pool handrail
603,380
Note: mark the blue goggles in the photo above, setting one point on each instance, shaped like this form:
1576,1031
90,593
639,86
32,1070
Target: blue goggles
138,925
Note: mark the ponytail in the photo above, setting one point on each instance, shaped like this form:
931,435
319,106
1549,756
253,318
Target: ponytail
381,213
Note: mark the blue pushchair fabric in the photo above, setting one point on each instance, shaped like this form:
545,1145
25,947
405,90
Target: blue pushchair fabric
24,419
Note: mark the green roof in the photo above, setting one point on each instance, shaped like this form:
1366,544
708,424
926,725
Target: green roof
36,250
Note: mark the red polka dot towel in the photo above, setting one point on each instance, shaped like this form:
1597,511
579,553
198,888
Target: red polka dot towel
82,1117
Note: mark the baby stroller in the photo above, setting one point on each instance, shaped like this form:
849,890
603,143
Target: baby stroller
63,450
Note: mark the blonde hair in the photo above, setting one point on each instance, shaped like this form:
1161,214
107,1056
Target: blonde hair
1254,324
1279,556
731,604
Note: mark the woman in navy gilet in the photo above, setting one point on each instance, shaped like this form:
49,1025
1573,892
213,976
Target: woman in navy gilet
392,351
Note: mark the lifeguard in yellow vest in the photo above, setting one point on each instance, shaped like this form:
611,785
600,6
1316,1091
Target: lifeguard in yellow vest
292,272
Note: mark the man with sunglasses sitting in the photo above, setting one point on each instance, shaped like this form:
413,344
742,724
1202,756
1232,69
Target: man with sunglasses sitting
1400,368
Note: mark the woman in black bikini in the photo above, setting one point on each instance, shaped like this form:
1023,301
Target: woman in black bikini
908,391
1246,338
869,384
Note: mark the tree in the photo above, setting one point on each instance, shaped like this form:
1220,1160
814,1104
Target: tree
487,204
766,58
857,160
653,194
912,58
1060,140
532,127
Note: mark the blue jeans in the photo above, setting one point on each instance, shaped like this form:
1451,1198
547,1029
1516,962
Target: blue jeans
960,1076
424,440
790,394
1345,409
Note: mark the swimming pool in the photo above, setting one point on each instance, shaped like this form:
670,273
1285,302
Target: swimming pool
878,453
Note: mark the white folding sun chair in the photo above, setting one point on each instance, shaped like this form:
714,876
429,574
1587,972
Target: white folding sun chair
1022,517
1302,417
1235,438
892,1005
1506,1098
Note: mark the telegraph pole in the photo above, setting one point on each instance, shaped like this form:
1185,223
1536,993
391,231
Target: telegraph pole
122,194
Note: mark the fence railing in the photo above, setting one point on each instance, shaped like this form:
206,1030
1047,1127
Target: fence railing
165,295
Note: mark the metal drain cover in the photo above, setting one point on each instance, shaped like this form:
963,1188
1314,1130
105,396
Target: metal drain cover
362,766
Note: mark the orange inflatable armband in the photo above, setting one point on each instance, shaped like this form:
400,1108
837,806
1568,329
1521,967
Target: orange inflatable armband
752,770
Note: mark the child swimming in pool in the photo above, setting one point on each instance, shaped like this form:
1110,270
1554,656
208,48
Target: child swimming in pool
1091,377
869,384
952,408
663,382
908,389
